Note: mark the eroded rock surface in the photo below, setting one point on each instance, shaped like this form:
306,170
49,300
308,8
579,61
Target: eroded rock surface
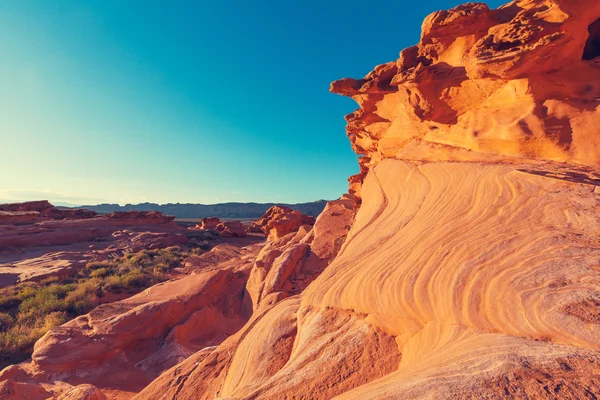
518,81
278,221
38,240
464,263
470,269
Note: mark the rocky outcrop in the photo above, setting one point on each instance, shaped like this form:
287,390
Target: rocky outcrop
209,223
145,334
34,236
231,228
469,270
464,263
141,217
278,221
520,81
43,208
120,347
11,390
83,392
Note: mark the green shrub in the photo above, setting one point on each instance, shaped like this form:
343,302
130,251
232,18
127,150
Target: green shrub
54,319
141,258
98,264
45,301
113,284
99,273
28,310
6,322
135,279
84,298
9,302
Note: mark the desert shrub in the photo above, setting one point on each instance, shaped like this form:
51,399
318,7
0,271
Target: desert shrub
9,302
196,251
50,280
6,322
135,279
143,257
84,298
54,319
27,292
98,264
28,310
112,284
45,301
17,344
99,273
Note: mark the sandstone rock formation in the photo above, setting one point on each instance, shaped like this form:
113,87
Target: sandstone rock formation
43,208
38,240
470,270
145,334
120,347
520,81
209,223
463,264
278,221
231,228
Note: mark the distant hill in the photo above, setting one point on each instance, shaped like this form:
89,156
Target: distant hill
222,210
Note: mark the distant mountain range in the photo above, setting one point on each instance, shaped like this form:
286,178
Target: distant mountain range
222,210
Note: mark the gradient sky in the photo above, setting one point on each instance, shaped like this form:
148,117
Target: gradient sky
187,101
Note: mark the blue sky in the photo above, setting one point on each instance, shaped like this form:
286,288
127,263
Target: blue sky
186,101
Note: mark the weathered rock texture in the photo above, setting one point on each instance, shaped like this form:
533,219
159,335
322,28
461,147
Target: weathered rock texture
231,228
278,221
471,268
38,240
209,223
519,81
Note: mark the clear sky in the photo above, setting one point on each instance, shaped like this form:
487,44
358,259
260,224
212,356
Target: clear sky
130,101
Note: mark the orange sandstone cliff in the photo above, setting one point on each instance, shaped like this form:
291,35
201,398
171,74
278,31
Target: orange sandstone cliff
471,269
465,263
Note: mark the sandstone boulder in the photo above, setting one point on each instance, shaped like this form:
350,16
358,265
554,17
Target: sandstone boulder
11,390
231,228
209,223
278,221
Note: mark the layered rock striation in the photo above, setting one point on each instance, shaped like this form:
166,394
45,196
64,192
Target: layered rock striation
464,263
519,81
470,269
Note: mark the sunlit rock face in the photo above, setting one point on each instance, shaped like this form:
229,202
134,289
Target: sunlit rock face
471,269
465,263
519,81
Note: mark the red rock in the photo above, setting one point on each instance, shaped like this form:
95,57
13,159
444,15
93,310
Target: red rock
19,217
116,345
449,280
467,267
10,390
45,209
83,392
142,217
33,236
231,228
209,223
219,254
278,221
484,82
